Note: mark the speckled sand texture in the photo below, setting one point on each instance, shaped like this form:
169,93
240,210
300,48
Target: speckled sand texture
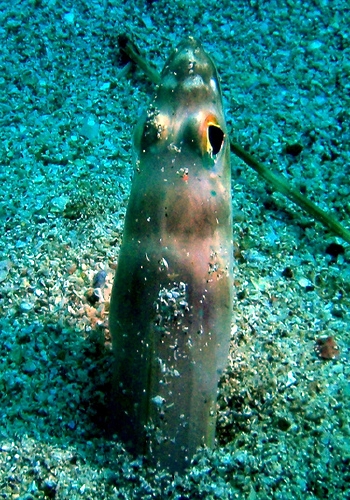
67,113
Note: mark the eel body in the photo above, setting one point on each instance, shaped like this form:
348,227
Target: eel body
171,304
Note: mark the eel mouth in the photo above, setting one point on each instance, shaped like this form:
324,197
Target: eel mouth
190,70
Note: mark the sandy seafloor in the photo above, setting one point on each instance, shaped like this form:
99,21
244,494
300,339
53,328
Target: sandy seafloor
67,114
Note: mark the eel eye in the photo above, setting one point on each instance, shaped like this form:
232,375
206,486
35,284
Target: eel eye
211,136
215,139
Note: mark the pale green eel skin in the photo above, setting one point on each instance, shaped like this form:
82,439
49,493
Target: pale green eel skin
171,304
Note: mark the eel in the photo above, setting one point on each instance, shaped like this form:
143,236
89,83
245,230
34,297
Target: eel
171,302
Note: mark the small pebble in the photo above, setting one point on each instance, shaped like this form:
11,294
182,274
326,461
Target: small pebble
29,367
99,279
290,379
304,282
25,307
326,348
72,268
